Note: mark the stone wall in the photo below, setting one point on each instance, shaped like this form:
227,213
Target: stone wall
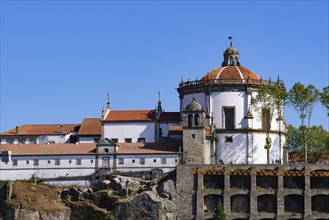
254,191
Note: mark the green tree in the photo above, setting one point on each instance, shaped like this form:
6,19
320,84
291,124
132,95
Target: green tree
272,99
324,98
318,141
302,99
219,213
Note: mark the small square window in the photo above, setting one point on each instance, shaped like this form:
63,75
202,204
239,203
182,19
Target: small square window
121,161
141,140
133,160
15,162
78,161
48,161
91,161
192,136
57,162
141,160
27,162
163,160
115,140
70,161
228,139
35,162
176,160
128,140
154,160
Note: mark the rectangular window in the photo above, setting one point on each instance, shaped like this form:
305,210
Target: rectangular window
33,141
9,141
228,117
78,161
128,140
57,162
154,160
15,162
91,161
141,160
133,160
228,139
163,160
48,161
70,161
27,162
36,162
192,136
141,140
266,121
121,161
176,160
51,142
21,141
115,140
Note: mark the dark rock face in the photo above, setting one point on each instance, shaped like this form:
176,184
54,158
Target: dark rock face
161,202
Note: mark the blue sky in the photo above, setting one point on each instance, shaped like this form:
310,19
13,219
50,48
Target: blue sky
60,58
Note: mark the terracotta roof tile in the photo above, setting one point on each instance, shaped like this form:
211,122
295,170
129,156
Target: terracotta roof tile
130,115
43,129
230,72
146,148
49,149
91,126
169,117
175,130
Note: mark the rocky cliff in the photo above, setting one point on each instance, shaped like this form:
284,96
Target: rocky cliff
117,197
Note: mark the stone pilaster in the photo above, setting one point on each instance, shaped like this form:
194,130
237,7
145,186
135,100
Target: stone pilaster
227,196
307,194
253,196
280,197
199,198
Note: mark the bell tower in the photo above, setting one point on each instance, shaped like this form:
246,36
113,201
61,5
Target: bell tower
231,55
194,118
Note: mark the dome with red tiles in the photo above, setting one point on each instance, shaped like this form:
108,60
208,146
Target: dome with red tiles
231,72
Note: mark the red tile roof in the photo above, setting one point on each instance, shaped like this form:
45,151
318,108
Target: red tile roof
146,148
90,126
49,149
83,149
42,129
170,117
175,130
130,115
230,72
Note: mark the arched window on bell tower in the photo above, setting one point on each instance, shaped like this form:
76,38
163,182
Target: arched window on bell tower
197,120
190,120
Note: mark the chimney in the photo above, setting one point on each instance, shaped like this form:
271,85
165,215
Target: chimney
62,129
17,129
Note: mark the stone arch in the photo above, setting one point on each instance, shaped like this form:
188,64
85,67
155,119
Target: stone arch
267,182
294,182
266,203
320,203
294,203
319,182
210,202
240,203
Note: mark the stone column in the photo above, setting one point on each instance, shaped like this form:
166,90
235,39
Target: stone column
227,196
280,195
253,196
307,194
199,198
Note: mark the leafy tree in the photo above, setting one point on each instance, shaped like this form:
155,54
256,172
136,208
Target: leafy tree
324,98
318,141
302,99
272,99
219,213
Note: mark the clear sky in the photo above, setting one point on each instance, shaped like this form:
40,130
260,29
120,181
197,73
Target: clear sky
60,58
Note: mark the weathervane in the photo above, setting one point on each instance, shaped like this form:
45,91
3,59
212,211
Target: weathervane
230,38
